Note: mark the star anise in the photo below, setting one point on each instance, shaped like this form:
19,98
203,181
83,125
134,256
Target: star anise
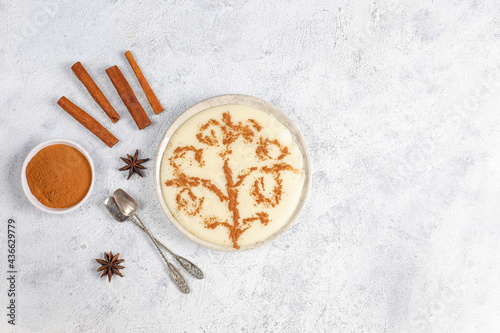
133,165
110,265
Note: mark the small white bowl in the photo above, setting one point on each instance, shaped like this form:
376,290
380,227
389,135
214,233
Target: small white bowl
24,181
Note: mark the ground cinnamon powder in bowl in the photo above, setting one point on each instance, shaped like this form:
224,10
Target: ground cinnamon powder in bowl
59,176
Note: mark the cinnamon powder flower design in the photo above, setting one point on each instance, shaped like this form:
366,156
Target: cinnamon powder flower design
267,190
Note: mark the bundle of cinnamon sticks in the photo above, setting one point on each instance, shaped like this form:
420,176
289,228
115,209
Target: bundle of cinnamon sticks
126,94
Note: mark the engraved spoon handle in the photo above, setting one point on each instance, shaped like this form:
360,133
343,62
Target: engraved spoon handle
176,276
188,265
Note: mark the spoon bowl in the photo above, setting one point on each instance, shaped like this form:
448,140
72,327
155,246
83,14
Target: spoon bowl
112,207
126,204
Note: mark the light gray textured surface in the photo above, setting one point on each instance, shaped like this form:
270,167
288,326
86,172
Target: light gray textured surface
399,106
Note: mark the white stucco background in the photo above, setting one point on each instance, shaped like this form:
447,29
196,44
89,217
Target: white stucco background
398,103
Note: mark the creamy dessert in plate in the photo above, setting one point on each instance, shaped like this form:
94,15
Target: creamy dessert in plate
232,175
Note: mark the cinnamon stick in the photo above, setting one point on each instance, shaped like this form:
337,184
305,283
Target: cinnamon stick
94,91
128,97
153,100
86,120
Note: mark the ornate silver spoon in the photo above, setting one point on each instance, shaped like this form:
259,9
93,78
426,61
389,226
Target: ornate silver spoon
127,211
128,206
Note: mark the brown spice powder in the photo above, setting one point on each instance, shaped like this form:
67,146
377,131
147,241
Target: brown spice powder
263,149
59,176
184,204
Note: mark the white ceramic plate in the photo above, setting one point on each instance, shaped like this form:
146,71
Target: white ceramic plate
225,100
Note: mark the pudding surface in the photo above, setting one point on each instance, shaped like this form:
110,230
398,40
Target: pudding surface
232,175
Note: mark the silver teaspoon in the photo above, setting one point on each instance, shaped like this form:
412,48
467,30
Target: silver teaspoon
117,213
128,206
191,268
